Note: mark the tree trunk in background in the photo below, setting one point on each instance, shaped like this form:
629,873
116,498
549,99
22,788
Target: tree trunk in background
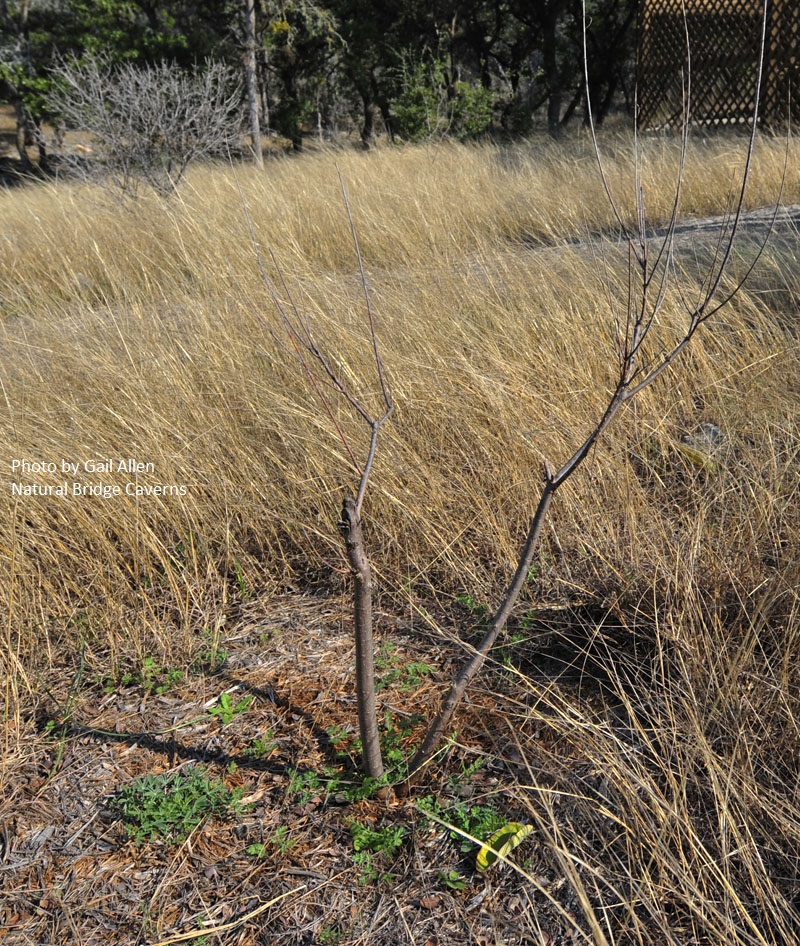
21,137
552,17
368,128
251,80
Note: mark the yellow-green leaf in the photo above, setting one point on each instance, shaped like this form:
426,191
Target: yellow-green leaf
699,458
501,843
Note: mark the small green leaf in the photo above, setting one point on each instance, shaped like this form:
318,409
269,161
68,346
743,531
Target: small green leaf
501,843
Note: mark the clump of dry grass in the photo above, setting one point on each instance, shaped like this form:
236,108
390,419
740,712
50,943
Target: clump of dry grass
144,331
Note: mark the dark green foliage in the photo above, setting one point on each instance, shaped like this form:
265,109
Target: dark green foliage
119,30
430,105
475,65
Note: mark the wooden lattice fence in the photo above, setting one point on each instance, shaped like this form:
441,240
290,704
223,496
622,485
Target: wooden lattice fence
725,39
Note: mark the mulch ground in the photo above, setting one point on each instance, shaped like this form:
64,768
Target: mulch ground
70,873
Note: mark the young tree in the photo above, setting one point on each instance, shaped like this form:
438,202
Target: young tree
327,382
651,272
643,353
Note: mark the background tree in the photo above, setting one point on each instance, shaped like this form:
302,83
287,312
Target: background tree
36,34
19,83
150,121
365,29
301,43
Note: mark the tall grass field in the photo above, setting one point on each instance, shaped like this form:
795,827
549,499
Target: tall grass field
167,465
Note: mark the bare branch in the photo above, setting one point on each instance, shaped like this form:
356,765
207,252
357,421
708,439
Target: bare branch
299,345
378,363
593,131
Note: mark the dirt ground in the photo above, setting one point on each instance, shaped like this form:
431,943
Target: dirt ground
71,872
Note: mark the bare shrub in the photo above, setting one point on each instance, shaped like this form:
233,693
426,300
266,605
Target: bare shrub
149,122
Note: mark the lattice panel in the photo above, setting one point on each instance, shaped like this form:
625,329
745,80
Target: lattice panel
724,42
782,84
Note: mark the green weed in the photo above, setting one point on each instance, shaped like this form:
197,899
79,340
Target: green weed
479,821
373,846
467,772
329,936
241,581
279,839
227,710
386,841
264,746
390,671
169,807
396,730
151,677
476,610
452,880
506,651
211,658
331,783
305,785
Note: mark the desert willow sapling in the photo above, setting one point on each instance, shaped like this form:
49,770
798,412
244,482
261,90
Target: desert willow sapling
649,276
326,383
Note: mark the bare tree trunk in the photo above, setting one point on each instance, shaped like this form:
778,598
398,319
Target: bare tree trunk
552,16
22,136
368,128
251,80
365,656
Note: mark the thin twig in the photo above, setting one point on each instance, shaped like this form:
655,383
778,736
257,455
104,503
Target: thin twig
225,927
374,335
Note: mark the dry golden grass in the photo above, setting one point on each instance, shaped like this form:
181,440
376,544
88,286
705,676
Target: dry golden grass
143,330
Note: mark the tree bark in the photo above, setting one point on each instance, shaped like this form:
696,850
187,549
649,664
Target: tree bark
365,656
368,128
552,17
22,136
251,80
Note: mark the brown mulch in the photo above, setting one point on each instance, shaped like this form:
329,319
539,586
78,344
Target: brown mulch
69,873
